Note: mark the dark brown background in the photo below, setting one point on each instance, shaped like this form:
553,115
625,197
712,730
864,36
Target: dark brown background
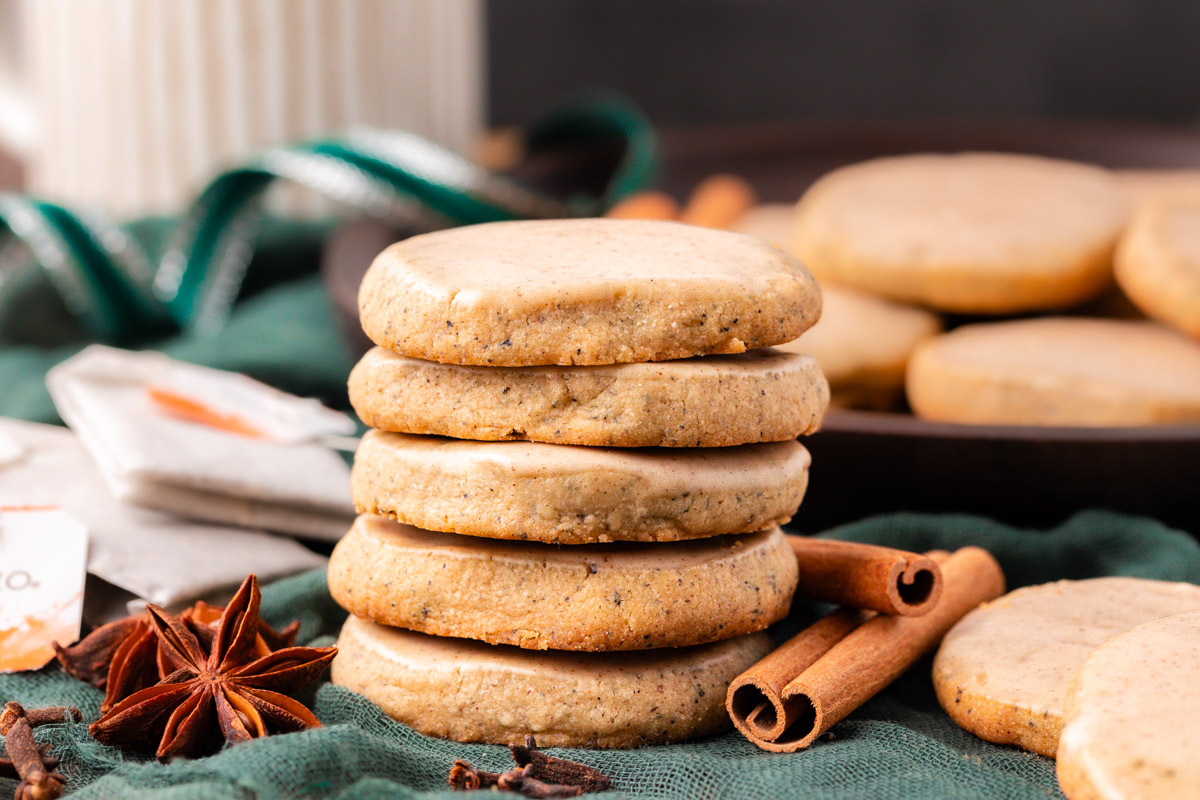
719,61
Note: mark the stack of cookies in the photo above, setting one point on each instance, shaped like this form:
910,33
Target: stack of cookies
570,505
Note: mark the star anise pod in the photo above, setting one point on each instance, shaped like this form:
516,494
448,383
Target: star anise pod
227,693
203,619
123,657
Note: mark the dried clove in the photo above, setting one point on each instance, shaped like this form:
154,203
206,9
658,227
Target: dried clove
32,765
36,716
536,775
558,770
465,778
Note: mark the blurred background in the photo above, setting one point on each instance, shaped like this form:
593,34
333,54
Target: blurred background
220,78
707,62
210,178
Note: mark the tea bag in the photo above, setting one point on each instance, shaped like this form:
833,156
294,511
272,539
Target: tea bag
155,556
206,444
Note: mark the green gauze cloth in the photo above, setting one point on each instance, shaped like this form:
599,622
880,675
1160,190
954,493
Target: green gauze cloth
899,745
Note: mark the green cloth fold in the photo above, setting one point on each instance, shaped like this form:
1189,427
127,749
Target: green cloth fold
899,745
285,336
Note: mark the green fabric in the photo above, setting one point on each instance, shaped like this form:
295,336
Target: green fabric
899,745
286,336
283,332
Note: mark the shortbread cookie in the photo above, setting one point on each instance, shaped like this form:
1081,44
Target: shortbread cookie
1057,371
1158,262
1003,671
1143,186
1132,729
583,291
862,344
576,495
773,223
475,692
761,396
981,233
586,597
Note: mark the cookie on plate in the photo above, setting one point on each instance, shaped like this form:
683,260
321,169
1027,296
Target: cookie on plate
577,495
978,233
862,344
1057,371
1003,672
1132,724
717,401
585,291
1158,262
1143,186
771,222
587,597
475,692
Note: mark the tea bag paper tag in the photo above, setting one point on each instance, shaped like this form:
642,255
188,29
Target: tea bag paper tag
11,451
205,444
219,400
43,562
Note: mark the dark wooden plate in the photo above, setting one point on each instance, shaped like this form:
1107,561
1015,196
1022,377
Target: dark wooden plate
868,462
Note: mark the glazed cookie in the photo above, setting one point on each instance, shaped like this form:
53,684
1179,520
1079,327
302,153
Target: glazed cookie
1003,671
862,344
1057,371
1132,725
583,291
980,233
1143,186
760,396
474,692
773,223
576,495
1158,262
587,597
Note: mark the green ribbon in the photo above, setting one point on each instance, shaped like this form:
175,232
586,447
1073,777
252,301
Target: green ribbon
108,281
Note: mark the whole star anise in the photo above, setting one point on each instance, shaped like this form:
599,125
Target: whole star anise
227,693
124,657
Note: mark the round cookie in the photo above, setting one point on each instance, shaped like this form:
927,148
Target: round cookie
773,223
1143,186
718,401
583,291
1132,725
1003,671
474,692
587,597
577,495
1158,262
1057,371
862,344
980,233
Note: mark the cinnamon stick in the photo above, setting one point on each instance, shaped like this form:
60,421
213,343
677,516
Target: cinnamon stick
645,205
787,700
718,201
755,698
866,576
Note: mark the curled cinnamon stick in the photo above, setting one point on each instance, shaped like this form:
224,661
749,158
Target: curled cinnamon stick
867,576
645,205
755,698
784,702
718,201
